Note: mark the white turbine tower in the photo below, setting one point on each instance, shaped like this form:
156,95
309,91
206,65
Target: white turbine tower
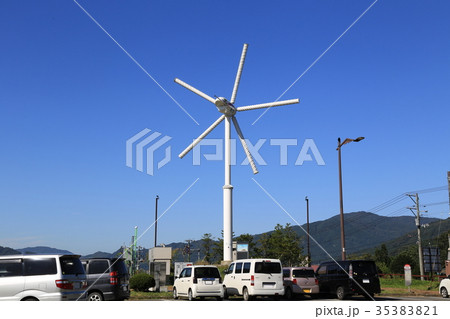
229,111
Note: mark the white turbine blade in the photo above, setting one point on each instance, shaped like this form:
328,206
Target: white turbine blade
239,72
193,89
202,136
264,105
244,145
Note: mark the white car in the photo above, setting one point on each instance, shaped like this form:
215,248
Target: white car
444,287
198,281
254,277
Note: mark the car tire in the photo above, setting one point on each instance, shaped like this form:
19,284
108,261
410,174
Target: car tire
288,293
225,293
246,295
340,293
30,299
190,296
95,296
175,293
444,292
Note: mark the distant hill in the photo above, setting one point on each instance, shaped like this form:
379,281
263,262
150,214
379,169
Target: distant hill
43,250
99,254
363,231
8,251
428,234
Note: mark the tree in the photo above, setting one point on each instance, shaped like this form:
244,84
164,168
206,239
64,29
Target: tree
382,255
284,244
409,256
206,245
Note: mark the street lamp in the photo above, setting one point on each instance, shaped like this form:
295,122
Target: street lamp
156,219
346,141
307,229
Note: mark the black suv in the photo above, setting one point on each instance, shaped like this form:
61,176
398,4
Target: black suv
107,279
360,277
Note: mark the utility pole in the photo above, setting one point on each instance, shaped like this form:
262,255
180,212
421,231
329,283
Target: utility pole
419,239
448,180
156,219
307,229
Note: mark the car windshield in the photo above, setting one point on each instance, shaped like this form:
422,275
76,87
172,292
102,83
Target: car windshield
71,266
206,272
303,273
267,267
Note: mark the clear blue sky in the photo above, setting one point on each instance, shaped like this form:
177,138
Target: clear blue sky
70,98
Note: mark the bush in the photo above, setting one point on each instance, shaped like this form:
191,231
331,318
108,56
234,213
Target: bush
142,282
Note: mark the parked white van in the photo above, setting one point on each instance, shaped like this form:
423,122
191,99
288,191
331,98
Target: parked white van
42,277
254,277
198,281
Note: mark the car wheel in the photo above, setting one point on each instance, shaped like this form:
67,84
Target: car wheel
175,293
340,293
190,296
225,294
246,295
95,296
444,292
288,293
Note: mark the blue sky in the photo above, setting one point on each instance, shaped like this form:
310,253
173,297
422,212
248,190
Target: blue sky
71,98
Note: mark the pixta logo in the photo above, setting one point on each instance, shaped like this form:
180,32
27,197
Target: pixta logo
144,145
141,151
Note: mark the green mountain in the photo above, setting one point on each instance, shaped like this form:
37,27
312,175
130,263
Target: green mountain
362,231
429,234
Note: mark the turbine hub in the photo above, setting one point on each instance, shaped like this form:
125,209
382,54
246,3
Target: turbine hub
224,106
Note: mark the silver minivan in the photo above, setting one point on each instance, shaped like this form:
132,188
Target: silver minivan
42,277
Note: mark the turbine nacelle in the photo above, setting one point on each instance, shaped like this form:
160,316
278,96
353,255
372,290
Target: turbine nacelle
224,106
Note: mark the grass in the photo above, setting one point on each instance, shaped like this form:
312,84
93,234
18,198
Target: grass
142,295
396,286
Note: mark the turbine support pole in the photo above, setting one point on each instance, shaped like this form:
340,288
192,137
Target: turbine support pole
227,198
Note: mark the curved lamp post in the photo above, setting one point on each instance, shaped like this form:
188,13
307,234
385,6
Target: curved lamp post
346,141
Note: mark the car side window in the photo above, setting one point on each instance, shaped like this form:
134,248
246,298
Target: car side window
238,269
11,268
246,268
322,270
230,269
183,273
188,272
40,266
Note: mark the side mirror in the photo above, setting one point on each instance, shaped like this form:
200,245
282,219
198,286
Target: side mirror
226,272
176,277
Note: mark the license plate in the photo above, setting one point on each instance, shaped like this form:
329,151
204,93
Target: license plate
268,284
308,291
76,285
208,281
366,281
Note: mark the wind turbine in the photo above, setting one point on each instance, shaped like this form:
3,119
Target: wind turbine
229,111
